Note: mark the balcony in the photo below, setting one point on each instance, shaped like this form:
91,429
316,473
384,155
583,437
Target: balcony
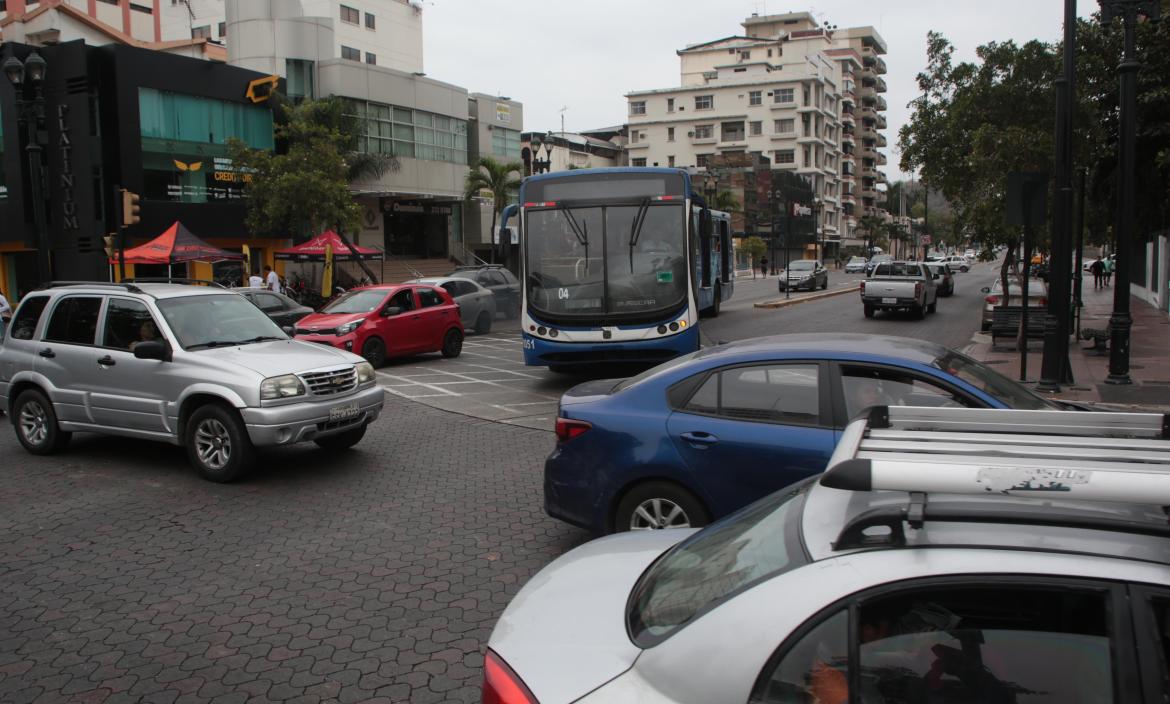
881,160
881,85
632,146
879,64
881,141
789,105
881,104
881,122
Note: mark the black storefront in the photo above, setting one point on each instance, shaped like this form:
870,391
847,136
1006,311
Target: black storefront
151,122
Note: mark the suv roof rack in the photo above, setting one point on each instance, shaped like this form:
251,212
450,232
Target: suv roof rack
980,452
175,280
125,285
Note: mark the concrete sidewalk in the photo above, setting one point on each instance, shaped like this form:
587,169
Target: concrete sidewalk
1149,357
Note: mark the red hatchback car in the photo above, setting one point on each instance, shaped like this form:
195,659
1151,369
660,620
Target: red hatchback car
379,322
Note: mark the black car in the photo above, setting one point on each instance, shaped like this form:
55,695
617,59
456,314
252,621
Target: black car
503,284
282,309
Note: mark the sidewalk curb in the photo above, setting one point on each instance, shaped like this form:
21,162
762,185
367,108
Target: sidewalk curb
785,302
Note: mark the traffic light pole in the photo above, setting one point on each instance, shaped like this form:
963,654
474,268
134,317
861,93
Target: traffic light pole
118,220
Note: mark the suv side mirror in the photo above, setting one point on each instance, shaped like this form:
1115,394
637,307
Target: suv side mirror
153,349
391,311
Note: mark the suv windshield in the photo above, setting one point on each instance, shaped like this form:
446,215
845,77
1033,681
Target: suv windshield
993,383
749,546
618,259
365,301
217,320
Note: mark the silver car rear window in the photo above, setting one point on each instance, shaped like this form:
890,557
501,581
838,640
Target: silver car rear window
751,545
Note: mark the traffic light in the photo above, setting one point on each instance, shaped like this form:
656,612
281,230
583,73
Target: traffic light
130,208
111,241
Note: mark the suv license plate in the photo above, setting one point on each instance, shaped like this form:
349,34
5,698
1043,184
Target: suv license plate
343,412
889,300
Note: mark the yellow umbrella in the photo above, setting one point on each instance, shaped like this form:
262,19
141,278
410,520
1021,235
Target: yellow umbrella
247,264
327,275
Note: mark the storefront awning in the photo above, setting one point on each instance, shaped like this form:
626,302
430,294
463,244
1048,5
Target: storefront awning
314,250
175,246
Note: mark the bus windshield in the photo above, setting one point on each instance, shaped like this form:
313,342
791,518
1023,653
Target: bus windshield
624,260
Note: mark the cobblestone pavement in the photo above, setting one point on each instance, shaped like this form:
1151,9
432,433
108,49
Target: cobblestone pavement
375,575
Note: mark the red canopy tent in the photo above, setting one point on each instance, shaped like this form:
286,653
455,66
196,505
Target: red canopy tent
314,250
175,246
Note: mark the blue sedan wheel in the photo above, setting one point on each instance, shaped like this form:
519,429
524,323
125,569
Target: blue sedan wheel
659,505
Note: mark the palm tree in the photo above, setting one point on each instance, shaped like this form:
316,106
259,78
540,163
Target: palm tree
500,179
726,202
873,226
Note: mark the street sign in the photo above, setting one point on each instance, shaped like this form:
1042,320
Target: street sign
1027,198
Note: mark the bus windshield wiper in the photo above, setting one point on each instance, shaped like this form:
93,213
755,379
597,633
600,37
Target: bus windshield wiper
636,228
580,232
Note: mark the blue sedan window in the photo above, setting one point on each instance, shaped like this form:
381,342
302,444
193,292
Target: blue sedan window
782,393
749,546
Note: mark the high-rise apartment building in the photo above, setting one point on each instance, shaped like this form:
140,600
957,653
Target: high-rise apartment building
804,96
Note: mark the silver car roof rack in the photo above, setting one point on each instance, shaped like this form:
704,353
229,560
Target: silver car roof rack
980,452
125,286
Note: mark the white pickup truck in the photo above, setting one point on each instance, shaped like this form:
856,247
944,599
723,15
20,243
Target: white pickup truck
900,286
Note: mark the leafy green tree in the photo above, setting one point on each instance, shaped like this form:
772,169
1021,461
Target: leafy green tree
755,248
497,179
875,231
727,202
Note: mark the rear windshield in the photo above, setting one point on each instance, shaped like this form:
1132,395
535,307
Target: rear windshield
898,269
754,544
654,371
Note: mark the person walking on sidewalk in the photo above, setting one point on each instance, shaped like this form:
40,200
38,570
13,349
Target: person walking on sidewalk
764,266
1097,269
1107,267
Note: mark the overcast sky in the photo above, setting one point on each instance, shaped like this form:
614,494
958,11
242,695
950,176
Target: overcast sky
585,55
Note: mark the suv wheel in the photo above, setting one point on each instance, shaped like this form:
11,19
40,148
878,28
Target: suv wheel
217,443
658,505
452,343
36,424
342,441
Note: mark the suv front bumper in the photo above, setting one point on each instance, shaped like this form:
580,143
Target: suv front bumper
309,420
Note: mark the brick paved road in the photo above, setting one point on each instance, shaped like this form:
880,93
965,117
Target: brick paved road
375,575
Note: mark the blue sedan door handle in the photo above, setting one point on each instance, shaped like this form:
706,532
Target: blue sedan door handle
700,439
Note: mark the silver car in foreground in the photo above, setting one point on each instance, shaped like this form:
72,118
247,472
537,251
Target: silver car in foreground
477,305
200,367
988,568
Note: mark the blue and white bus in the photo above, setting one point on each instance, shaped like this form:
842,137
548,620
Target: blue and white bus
617,265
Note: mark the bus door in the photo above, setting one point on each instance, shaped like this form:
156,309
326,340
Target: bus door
705,225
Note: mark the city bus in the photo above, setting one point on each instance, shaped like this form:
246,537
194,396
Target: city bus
617,265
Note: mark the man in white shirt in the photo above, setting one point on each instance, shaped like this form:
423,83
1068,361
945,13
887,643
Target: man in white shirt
254,281
271,280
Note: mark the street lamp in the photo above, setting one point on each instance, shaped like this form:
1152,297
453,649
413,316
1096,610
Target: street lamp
818,231
1120,321
30,116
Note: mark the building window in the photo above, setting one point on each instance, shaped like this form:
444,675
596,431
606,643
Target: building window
702,160
638,107
755,97
670,160
703,132
350,53
784,95
704,102
350,15
787,126
732,131
139,8
413,133
506,142
756,128
745,55
222,28
635,136
371,23
299,81
670,104
203,32
641,161
670,134
785,156
371,59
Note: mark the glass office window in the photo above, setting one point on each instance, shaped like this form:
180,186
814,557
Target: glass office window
417,134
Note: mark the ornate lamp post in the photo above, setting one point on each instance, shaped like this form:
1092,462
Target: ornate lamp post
1121,321
30,74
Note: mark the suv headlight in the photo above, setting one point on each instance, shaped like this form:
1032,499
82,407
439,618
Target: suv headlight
365,372
348,327
281,387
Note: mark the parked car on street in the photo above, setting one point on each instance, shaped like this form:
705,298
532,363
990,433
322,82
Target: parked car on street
958,262
702,435
897,286
1037,298
804,273
944,278
283,310
502,283
875,260
194,366
913,570
389,320
477,305
855,265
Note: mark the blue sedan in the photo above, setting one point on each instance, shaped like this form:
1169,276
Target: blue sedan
700,436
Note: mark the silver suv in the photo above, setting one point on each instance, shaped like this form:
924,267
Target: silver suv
195,366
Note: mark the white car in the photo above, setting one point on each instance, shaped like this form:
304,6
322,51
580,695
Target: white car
958,262
913,570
